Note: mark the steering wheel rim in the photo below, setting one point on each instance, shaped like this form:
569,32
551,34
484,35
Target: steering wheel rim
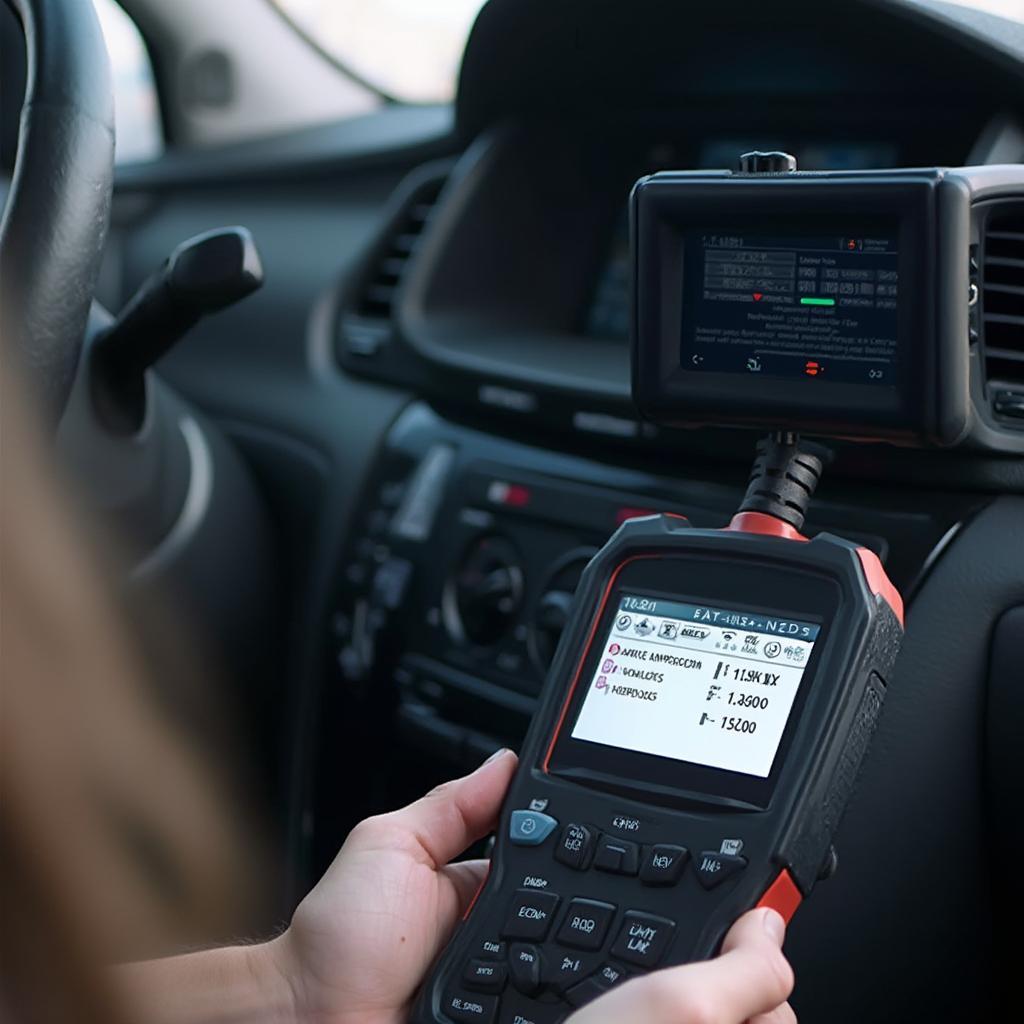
58,206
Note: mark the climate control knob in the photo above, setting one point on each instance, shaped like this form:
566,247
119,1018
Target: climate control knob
484,595
551,613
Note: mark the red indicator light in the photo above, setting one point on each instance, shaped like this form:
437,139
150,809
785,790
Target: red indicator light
512,495
758,296
517,496
812,368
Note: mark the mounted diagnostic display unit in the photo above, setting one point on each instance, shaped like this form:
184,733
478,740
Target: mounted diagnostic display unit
832,303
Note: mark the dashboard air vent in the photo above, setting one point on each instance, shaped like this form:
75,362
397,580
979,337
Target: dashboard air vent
1002,298
376,298
365,327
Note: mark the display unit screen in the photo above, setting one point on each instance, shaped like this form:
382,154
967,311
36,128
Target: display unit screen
697,683
819,306
806,302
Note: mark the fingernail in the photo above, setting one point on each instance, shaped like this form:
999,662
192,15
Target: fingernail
501,752
774,925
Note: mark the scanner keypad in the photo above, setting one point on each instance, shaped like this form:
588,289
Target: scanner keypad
559,951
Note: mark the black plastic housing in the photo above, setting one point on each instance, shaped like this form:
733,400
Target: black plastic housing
929,404
786,823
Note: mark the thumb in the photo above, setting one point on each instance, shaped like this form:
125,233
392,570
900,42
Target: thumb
750,977
457,813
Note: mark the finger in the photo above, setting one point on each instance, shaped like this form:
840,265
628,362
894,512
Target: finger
756,927
466,877
780,1015
451,817
750,977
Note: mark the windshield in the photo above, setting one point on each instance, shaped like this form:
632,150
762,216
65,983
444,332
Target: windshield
410,50
407,49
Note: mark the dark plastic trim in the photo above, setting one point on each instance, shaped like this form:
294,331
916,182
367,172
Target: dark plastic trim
394,134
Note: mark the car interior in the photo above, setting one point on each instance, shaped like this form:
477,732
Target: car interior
351,392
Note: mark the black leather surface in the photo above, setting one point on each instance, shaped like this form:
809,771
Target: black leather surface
55,221
904,931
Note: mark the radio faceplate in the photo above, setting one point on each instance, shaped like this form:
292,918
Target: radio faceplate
450,504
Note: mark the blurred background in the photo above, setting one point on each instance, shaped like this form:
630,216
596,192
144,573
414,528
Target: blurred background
389,50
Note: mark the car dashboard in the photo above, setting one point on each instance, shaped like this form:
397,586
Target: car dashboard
433,388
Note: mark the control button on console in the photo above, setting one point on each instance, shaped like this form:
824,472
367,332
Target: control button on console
530,828
714,868
530,915
575,847
464,1006
617,855
586,924
563,968
663,864
524,967
390,583
643,938
485,975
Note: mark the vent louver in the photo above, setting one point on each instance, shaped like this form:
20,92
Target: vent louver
365,328
1002,297
377,296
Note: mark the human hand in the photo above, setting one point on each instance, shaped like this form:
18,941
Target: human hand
750,980
361,942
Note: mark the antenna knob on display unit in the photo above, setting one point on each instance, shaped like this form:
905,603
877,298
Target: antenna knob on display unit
772,162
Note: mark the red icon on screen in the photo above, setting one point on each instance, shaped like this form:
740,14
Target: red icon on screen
812,368
758,296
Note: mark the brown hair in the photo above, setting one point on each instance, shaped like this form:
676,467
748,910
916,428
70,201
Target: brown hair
114,841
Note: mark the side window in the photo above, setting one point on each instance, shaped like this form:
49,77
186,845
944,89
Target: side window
136,108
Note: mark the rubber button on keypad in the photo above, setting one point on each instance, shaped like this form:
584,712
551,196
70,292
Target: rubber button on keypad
586,924
663,865
617,855
596,985
610,975
524,964
714,868
492,947
530,914
643,938
467,1007
530,828
517,1010
485,975
563,968
575,846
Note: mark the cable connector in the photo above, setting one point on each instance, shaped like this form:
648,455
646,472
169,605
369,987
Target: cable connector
783,478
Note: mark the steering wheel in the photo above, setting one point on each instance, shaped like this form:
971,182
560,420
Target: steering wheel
55,220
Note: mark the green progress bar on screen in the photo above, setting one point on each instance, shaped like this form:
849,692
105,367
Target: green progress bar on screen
806,301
